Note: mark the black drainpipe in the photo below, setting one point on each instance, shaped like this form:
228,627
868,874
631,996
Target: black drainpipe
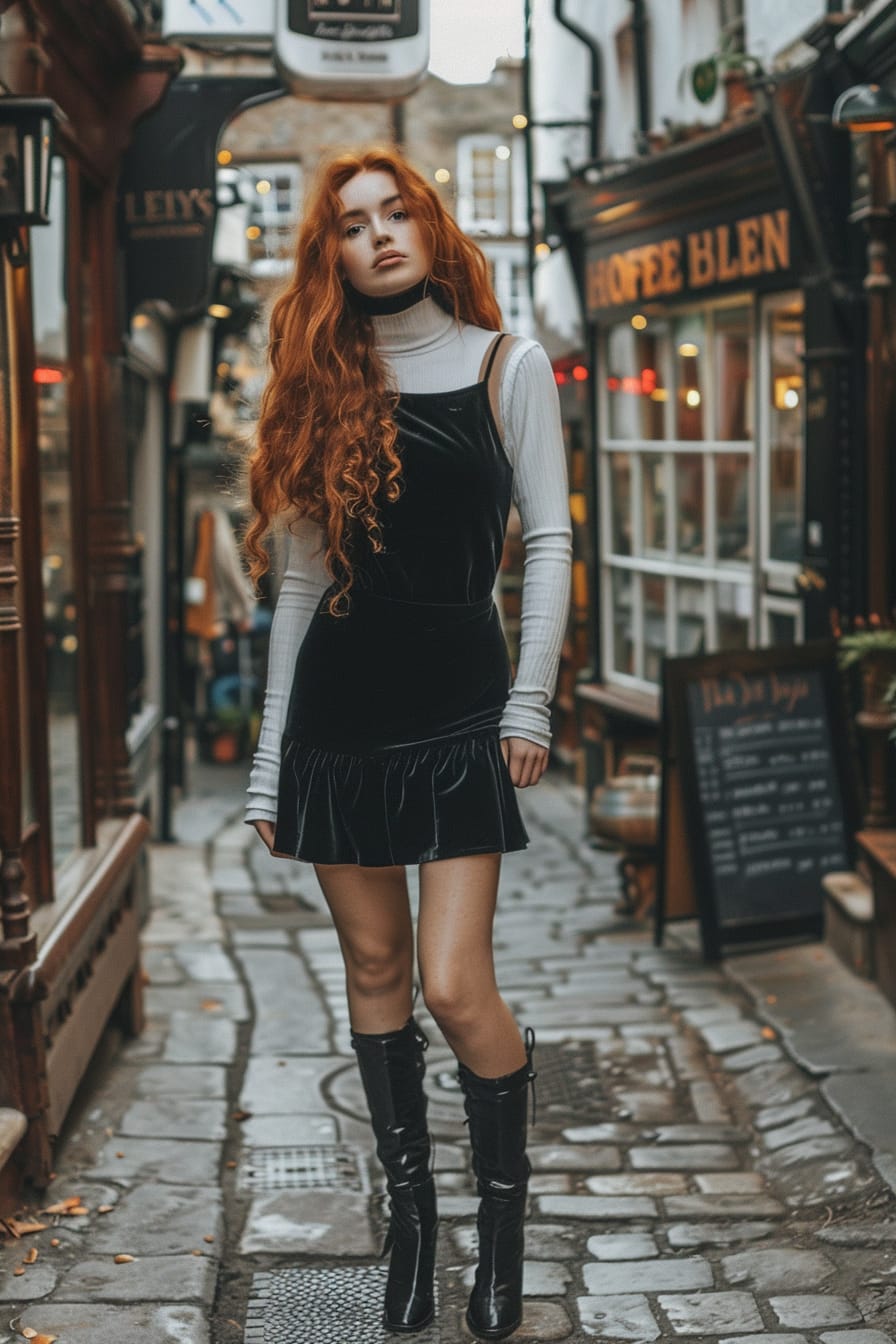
596,97
639,33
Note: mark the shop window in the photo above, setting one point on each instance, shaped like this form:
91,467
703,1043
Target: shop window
702,456
677,481
58,545
785,434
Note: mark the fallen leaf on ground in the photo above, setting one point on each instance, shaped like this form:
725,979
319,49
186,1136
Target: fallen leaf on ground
196,1252
241,1115
55,1242
124,1259
119,1154
211,1005
79,1211
18,1271
208,1237
17,1227
768,1033
231,1164
36,1337
105,1208
65,1205
31,1256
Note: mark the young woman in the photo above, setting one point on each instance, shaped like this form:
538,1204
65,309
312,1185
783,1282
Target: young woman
396,426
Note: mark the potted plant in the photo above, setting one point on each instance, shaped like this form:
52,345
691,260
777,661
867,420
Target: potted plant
871,647
735,68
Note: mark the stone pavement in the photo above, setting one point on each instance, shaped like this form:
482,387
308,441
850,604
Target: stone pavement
696,1170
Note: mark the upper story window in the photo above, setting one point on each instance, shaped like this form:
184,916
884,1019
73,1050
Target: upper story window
274,203
491,185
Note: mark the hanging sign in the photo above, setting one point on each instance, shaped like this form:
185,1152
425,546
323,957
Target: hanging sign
220,20
352,49
167,197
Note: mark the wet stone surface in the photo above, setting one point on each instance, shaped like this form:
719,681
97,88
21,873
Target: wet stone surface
690,1180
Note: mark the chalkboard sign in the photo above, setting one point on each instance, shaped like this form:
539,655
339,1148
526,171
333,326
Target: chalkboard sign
757,785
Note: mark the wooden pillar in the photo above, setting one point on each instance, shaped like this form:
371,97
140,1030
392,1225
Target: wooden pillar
19,944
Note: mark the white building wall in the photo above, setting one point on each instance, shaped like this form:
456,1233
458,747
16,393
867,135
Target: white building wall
680,32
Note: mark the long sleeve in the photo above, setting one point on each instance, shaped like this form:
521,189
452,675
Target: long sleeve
304,582
533,439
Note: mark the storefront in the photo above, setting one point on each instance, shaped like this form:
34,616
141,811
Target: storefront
728,396
73,669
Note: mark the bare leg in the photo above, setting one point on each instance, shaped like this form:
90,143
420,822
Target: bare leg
454,950
373,921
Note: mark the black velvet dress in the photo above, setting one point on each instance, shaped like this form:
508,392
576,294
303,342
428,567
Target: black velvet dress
390,753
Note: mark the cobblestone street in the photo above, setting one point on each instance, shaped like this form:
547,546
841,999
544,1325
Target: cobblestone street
696,1170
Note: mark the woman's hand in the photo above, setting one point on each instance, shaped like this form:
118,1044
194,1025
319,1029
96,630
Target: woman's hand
526,761
266,830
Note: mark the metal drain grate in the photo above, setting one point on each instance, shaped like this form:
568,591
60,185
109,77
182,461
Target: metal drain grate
569,1080
328,1166
343,1305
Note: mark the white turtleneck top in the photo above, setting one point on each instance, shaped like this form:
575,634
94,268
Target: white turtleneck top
426,350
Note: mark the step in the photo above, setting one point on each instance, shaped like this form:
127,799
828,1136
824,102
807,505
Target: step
849,920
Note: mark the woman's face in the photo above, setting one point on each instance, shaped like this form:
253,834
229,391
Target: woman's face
383,249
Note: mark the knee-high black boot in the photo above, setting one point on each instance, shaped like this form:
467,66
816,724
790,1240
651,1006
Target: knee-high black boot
392,1068
496,1110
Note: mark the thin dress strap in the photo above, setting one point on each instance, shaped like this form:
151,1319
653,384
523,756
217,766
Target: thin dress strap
491,355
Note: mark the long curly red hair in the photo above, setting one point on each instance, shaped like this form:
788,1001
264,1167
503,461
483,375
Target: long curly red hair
326,438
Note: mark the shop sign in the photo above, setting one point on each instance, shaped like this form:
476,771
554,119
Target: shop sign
220,20
167,202
352,49
735,253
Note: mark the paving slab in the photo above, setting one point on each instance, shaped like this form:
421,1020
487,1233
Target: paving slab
684,1157
782,1268
162,1220
197,1038
184,1080
622,1246
308,1222
37,1281
596,1207
148,1323
626,1316
289,1016
689,1236
807,1311
578,1157
651,1276
218,999
639,1183
710,1313
176,1118
281,1085
723,1206
855,1337
149,1278
174,1161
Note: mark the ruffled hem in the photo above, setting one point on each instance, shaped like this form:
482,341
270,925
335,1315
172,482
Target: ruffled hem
402,805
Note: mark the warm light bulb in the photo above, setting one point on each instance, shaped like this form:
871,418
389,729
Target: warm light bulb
253,232
542,250
520,121
219,310
442,175
688,350
791,398
224,157
692,397
262,186
639,321
502,152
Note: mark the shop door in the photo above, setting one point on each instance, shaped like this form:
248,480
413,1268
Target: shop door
781,476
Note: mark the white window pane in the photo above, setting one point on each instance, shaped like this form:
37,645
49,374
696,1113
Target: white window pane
785,469
635,393
655,642
622,654
653,507
621,503
734,376
733,608
733,486
689,340
690,504
690,613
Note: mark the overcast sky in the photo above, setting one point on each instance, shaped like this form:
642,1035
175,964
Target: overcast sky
469,35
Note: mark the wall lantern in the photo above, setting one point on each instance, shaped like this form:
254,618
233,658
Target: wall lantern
865,107
26,149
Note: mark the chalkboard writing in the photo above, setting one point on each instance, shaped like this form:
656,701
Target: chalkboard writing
754,750
769,790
